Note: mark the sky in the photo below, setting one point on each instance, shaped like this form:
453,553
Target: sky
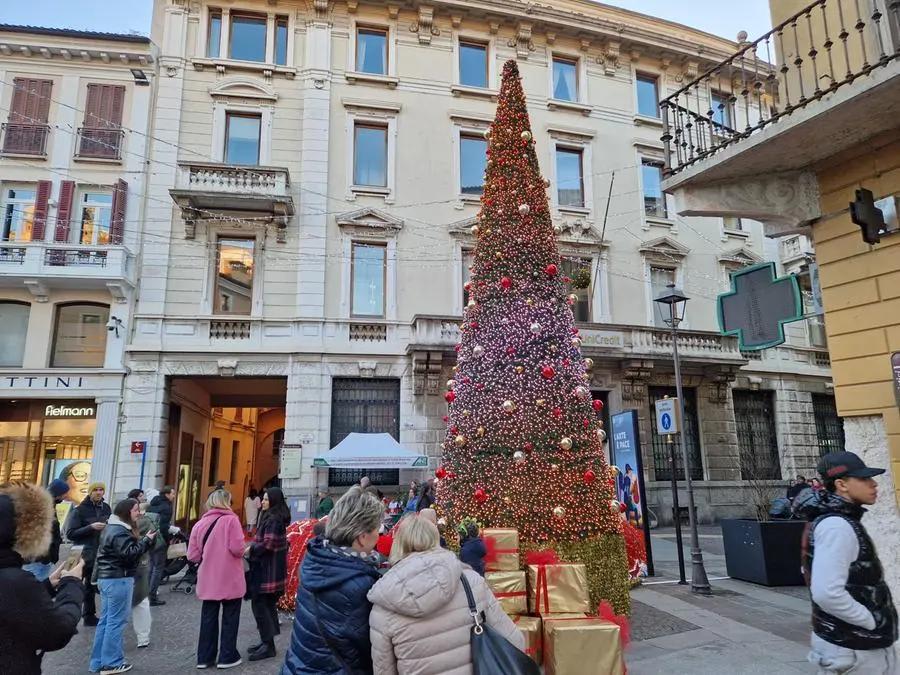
124,16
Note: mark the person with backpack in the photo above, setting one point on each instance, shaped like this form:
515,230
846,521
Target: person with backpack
217,546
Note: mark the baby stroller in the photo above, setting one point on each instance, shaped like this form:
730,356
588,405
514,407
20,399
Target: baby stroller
174,565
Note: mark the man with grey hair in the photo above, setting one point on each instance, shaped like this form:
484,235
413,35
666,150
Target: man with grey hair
331,623
364,483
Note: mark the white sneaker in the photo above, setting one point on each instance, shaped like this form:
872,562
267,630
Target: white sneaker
143,644
225,666
113,670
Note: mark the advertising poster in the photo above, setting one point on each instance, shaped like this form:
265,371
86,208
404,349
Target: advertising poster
625,453
75,472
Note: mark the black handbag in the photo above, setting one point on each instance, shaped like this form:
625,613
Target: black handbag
492,654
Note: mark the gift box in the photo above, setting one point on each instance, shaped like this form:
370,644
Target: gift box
503,549
558,589
533,632
584,646
510,589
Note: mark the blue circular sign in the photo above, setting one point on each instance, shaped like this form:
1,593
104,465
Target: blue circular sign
666,420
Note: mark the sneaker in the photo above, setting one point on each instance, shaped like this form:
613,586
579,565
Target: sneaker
156,602
112,670
143,645
90,620
225,666
204,666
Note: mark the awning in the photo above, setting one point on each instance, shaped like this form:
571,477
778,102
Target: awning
370,451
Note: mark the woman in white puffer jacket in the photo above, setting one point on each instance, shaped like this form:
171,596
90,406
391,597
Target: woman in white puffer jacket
420,622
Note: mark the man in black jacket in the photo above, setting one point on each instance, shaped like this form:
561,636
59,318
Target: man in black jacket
84,526
854,620
42,566
161,505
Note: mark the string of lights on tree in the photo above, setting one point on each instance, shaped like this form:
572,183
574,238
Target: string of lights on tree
524,442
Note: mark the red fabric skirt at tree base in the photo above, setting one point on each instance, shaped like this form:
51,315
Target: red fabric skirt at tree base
298,534
636,550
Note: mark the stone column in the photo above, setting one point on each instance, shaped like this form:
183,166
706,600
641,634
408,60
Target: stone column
306,422
104,457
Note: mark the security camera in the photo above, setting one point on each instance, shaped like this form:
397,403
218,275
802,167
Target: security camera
112,324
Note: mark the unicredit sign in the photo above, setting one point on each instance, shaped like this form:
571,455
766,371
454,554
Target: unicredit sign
68,411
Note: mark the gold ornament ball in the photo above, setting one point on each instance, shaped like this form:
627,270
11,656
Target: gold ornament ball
455,369
565,443
576,342
487,133
466,413
529,301
554,467
526,135
559,512
546,182
477,350
601,435
583,393
520,369
518,456
588,364
460,440
614,506
524,209
451,384
557,229
480,432
508,406
535,328
471,304
499,255
507,500
540,403
572,299
475,230
615,470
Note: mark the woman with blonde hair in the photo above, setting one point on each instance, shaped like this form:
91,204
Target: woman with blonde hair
421,597
217,544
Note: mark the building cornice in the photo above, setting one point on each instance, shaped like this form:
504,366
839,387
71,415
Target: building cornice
38,46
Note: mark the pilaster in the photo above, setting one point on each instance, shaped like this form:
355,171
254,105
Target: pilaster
105,434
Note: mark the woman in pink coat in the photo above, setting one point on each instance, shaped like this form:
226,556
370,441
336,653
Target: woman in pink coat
217,543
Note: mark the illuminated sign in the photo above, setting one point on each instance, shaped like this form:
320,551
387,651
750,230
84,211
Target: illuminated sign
69,411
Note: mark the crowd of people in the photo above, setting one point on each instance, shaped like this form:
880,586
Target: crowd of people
360,607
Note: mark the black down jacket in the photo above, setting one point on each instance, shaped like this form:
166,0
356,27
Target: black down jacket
340,583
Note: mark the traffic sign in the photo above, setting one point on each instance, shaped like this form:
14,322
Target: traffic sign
667,416
138,447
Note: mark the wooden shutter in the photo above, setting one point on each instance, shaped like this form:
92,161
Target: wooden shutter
41,206
117,227
104,106
64,211
30,101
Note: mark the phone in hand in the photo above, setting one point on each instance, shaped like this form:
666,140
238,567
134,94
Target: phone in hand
75,554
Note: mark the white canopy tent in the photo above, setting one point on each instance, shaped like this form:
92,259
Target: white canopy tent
370,451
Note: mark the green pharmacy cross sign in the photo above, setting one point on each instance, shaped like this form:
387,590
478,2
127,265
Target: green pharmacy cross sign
758,307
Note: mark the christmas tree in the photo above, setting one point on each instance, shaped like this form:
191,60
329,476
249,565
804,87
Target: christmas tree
524,445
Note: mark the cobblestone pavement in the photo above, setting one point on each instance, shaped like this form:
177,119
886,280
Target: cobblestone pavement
173,642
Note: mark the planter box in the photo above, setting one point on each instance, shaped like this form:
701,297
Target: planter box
766,553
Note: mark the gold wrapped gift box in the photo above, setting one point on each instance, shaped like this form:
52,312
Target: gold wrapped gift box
587,646
505,547
532,631
558,589
510,589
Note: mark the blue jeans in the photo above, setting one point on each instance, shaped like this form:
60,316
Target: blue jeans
41,571
115,611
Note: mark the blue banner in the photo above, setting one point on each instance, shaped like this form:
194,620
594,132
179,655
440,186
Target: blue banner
625,456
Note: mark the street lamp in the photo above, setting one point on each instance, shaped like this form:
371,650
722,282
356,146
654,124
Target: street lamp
672,304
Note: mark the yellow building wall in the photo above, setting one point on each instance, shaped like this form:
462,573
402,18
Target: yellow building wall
861,291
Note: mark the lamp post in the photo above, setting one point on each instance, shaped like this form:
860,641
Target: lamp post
673,303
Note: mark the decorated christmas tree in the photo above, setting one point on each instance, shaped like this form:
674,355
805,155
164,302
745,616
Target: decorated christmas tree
524,444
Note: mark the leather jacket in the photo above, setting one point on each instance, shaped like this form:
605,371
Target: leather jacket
119,553
865,579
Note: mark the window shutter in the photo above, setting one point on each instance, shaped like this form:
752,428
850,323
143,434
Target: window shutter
117,227
64,211
104,106
41,206
116,106
92,106
30,101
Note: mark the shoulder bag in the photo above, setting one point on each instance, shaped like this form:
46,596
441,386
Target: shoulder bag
492,654
206,538
327,638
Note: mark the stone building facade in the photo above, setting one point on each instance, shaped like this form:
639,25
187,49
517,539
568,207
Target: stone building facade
316,170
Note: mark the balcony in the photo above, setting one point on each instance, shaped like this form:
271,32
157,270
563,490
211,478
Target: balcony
44,266
820,82
28,140
222,187
100,144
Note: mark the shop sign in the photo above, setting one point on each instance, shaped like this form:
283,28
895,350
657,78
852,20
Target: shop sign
69,411
30,382
895,370
602,338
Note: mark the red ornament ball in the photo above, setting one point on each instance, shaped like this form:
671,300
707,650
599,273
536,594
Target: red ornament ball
557,412
510,350
480,495
597,405
454,430
446,418
450,396
622,508
585,423
441,473
547,372
506,282
551,270
473,324
589,477
529,447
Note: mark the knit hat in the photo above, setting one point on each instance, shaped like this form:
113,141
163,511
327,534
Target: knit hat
58,488
98,485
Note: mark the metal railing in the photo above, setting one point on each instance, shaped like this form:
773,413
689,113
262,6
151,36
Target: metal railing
25,139
100,143
829,44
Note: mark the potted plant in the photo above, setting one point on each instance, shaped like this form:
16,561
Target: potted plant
760,549
581,279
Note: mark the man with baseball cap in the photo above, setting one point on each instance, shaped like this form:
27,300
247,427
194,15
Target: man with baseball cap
854,620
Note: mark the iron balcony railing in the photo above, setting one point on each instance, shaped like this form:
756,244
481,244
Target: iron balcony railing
25,139
829,44
100,143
